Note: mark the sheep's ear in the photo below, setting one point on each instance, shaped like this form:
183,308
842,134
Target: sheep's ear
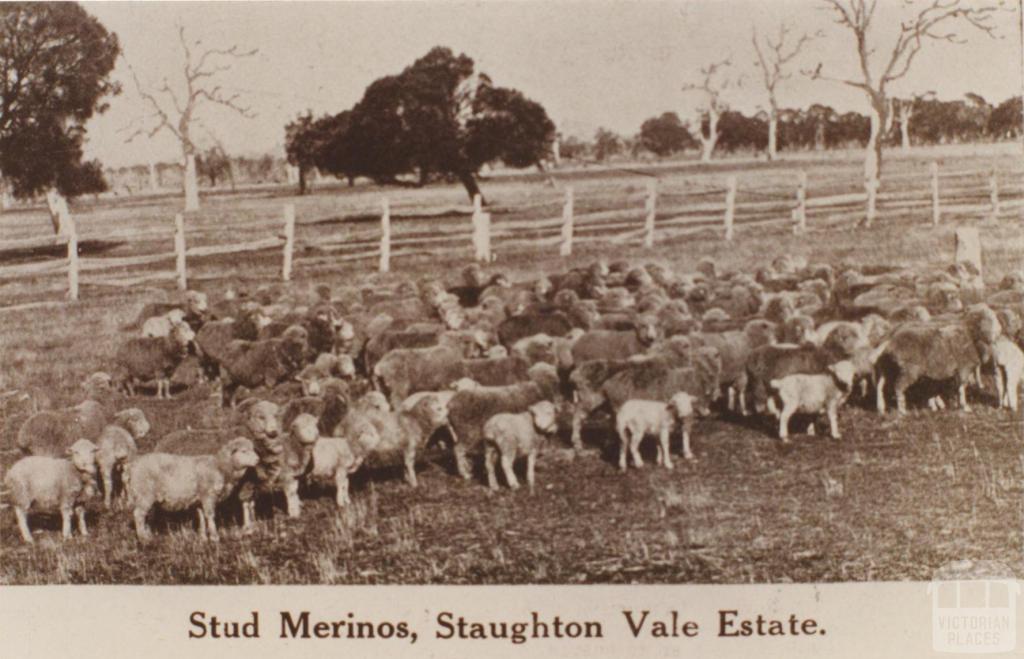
246,404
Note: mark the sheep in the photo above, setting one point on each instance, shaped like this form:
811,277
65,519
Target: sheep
179,482
294,460
44,483
158,326
117,444
607,344
255,363
587,379
638,418
516,436
381,344
153,358
337,458
519,327
1008,361
771,362
51,432
813,394
195,307
734,348
329,407
403,431
469,409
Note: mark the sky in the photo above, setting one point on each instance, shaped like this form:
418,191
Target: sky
589,63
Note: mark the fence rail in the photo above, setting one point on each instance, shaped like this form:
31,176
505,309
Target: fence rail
640,217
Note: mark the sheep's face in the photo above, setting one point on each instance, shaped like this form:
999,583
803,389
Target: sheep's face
375,400
346,367
799,329
134,421
542,288
310,383
565,299
707,268
844,373
433,411
97,382
196,302
83,456
182,334
176,316
304,429
545,417
453,319
261,418
682,405
473,275
241,453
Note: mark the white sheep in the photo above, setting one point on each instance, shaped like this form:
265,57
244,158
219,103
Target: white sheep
813,394
638,418
336,458
45,484
159,326
116,445
516,436
1008,361
178,482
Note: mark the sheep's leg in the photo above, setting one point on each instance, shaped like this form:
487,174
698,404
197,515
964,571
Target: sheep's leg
462,462
167,388
510,475
663,441
784,423
490,460
531,465
772,407
577,427
22,516
742,396
107,473
810,429
731,392
634,449
80,514
65,521
209,508
291,495
833,420
623,449
248,513
141,530
880,394
1000,388
1012,387
201,519
687,451
864,387
962,391
341,483
410,467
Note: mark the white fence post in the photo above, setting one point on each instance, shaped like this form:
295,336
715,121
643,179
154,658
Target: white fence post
993,190
385,236
730,206
72,230
651,208
968,246
289,241
800,212
179,250
936,208
481,230
567,224
871,187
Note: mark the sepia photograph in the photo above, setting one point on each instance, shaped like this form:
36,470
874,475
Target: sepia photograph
495,293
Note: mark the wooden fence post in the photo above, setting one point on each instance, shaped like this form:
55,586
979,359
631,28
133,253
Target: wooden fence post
72,230
993,190
650,207
936,208
481,230
385,236
179,250
968,247
730,206
567,224
289,241
800,212
871,187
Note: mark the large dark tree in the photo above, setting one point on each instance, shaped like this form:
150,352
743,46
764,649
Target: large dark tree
665,135
56,61
304,142
1006,119
438,118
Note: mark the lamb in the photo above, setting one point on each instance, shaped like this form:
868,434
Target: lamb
44,483
813,394
1008,361
404,432
158,326
469,410
516,436
337,458
117,444
150,358
179,482
636,419
771,362
255,363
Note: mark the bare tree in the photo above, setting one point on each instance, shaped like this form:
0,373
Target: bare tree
177,113
712,87
773,58
935,22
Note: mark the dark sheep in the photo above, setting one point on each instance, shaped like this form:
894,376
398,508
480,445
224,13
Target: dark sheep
153,358
609,344
261,363
771,362
51,432
514,328
659,381
329,408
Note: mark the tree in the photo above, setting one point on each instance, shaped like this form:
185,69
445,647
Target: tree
773,58
57,61
857,15
665,135
606,144
1005,122
177,113
439,117
741,132
573,148
213,164
304,141
712,87
904,109
336,153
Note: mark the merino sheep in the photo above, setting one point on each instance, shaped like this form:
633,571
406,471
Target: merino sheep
51,432
179,482
329,407
1008,361
158,326
149,358
337,458
255,363
519,327
610,344
43,483
516,436
117,444
771,362
195,308
638,418
294,460
813,394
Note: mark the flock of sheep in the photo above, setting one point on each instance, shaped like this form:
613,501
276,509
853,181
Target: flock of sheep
316,388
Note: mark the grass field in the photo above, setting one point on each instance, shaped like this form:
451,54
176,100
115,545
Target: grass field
896,498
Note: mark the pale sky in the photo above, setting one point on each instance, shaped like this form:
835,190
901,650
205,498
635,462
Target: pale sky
588,63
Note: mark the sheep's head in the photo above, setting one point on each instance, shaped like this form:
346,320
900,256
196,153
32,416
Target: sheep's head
682,405
239,455
303,429
453,318
97,383
760,332
309,378
798,329
182,335
175,315
134,421
431,411
260,418
545,417
983,324
346,366
473,275
646,326
83,456
346,332
599,268
707,267
196,302
844,372
566,298
542,288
